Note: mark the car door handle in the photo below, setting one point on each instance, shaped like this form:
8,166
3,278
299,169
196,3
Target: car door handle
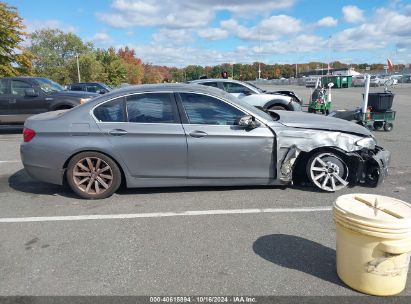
198,134
118,132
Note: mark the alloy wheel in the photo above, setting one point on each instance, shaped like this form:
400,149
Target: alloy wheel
92,175
328,172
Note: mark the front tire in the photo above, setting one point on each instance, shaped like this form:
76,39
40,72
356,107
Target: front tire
93,175
327,171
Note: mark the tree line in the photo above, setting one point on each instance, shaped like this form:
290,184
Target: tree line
53,53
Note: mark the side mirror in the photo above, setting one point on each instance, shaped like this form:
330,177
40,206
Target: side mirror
247,122
29,92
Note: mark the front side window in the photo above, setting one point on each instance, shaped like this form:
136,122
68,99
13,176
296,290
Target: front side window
18,87
112,111
48,85
203,109
150,108
93,88
232,87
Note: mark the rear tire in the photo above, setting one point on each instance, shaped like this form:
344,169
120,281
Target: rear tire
388,126
378,125
93,175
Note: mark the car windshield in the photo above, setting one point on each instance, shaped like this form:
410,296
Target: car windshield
258,89
48,85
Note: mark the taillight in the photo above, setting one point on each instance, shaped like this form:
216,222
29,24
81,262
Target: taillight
28,134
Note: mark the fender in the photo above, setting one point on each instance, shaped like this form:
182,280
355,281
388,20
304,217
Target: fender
280,102
63,103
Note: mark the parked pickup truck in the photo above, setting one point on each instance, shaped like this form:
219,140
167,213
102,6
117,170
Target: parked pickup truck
21,97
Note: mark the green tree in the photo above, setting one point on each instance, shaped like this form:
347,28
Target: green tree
113,66
14,59
54,51
90,68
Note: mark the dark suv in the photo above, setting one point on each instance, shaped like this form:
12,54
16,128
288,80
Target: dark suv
21,97
94,87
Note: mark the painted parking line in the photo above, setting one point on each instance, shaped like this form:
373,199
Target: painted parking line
9,161
158,214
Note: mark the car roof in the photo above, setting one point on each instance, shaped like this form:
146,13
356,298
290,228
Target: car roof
85,83
24,77
215,79
182,87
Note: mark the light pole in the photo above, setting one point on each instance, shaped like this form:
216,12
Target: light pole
78,69
259,55
296,70
329,55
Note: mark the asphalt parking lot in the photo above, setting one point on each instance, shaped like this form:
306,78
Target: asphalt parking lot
182,241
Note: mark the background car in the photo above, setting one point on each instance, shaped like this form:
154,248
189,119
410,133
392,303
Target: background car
93,87
190,135
405,79
376,81
21,97
310,82
284,100
358,80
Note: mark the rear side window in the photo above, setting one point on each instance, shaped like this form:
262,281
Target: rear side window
210,84
18,87
203,109
112,111
76,87
3,86
232,87
151,108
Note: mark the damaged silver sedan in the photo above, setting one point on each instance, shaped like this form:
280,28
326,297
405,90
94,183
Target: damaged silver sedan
191,135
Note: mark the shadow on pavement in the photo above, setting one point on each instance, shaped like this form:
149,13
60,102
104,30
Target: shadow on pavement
132,191
297,253
22,182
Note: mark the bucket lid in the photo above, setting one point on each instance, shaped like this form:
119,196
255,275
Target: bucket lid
371,208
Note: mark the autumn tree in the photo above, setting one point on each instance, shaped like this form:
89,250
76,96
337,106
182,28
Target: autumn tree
133,65
152,74
14,59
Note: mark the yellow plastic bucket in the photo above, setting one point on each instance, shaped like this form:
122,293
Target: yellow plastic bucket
373,242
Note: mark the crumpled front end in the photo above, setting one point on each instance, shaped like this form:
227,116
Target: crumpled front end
368,166
371,166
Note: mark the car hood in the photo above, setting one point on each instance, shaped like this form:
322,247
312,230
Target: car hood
75,94
319,122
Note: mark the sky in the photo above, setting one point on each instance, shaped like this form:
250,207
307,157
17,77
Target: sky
209,32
